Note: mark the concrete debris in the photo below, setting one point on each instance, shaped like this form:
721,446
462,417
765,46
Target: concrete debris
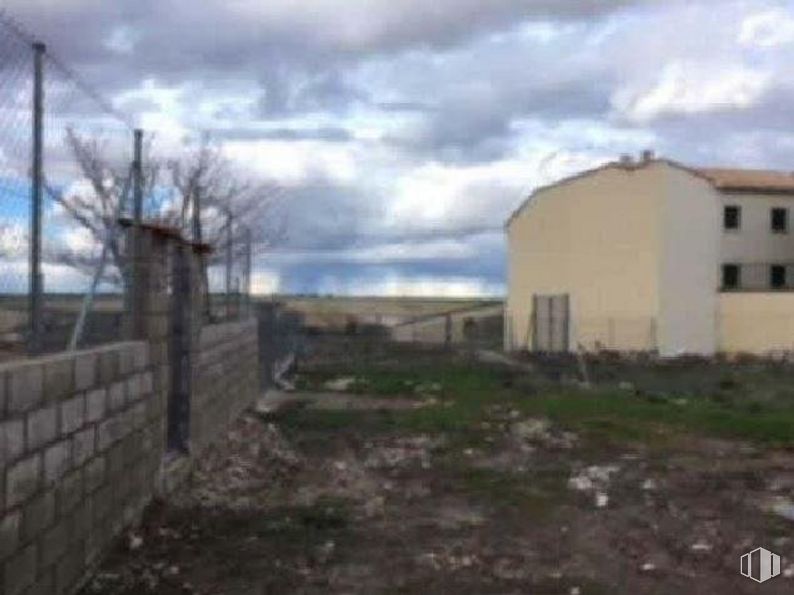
428,388
784,508
341,384
135,542
402,453
581,483
540,432
594,479
601,500
701,546
531,430
449,562
648,485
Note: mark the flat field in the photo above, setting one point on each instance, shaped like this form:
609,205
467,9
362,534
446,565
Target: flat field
391,469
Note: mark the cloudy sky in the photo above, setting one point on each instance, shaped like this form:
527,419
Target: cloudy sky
404,132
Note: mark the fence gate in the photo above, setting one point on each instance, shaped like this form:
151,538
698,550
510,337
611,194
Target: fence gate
180,348
550,323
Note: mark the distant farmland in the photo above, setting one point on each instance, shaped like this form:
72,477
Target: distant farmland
335,313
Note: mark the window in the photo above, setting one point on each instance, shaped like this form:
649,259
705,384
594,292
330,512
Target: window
779,219
730,276
777,276
732,217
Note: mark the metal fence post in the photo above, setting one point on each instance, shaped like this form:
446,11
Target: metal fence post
37,179
133,254
229,246
248,270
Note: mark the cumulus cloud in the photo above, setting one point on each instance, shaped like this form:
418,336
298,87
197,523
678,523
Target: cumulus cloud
690,88
405,133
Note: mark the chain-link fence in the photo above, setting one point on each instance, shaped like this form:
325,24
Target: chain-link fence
72,166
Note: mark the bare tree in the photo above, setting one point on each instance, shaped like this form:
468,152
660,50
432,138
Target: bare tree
96,204
211,192
209,201
220,207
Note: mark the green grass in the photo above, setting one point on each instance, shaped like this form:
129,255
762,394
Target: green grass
731,409
538,497
624,416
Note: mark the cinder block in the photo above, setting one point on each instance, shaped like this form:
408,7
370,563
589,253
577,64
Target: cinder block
70,568
102,505
42,427
72,415
96,404
58,378
12,441
9,534
85,370
20,571
140,356
70,491
134,388
97,540
25,388
56,460
116,396
83,446
38,515
45,583
116,462
126,357
54,543
147,383
108,366
23,479
94,474
139,415
109,432
79,521
3,392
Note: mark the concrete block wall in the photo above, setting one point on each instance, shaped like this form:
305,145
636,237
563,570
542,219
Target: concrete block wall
83,435
225,378
81,440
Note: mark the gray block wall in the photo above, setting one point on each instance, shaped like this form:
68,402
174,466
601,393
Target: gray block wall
83,435
226,378
80,449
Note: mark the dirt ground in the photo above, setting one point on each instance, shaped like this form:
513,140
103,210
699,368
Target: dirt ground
400,472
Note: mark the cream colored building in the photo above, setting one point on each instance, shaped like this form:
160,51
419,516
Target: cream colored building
652,255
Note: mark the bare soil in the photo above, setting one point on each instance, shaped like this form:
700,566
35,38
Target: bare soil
367,500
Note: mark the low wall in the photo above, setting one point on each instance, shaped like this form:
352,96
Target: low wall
226,378
475,326
759,323
80,444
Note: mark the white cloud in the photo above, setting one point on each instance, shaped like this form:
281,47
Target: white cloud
690,88
412,286
290,162
768,29
265,282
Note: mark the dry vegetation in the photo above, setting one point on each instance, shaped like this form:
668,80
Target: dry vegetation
454,476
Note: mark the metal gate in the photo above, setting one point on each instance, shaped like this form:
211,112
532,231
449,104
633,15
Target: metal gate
550,323
180,352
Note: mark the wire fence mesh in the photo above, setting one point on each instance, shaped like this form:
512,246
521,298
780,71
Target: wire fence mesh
16,149
69,171
88,151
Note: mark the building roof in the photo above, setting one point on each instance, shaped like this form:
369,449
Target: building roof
760,180
723,179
